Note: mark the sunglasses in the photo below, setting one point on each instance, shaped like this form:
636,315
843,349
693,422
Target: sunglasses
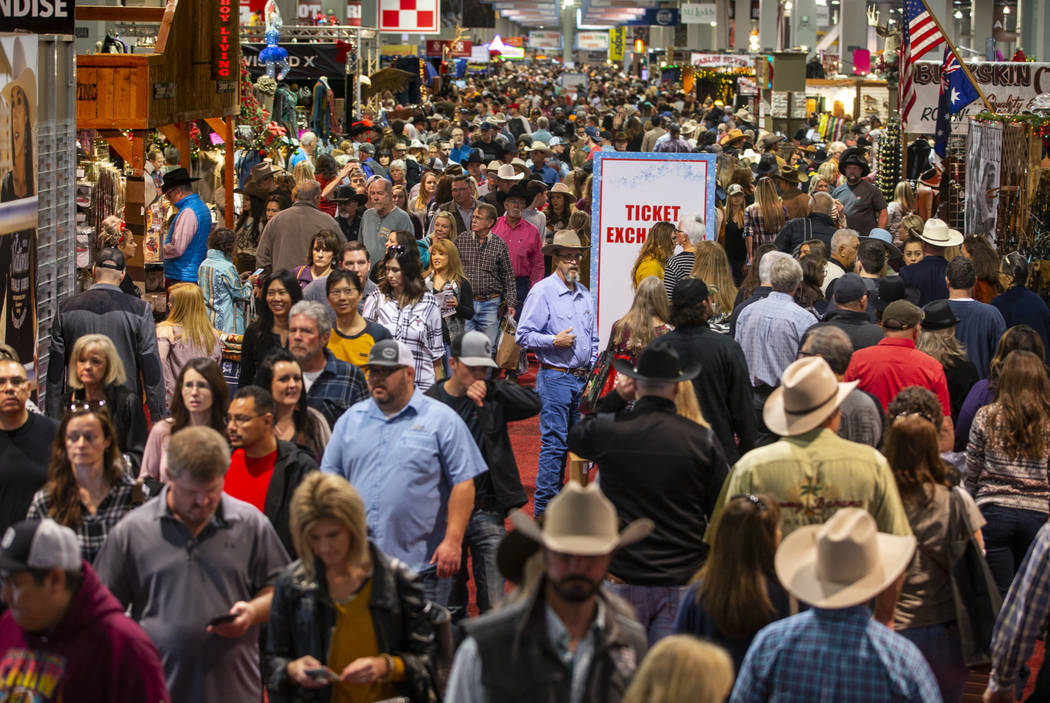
753,499
85,407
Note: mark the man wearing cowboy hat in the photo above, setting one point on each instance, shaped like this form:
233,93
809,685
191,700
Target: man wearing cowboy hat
835,651
787,180
812,471
186,243
538,154
566,638
864,204
557,323
894,363
523,239
929,275
349,206
743,119
503,180
674,144
258,187
654,464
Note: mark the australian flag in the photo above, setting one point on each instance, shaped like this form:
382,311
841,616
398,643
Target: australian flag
957,91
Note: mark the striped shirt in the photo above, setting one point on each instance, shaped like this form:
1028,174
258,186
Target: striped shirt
487,265
994,477
1025,615
833,655
678,267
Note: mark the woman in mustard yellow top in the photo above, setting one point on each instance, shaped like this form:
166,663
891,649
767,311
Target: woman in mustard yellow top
658,248
347,625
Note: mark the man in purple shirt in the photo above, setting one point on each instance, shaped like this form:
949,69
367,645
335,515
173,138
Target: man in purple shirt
558,324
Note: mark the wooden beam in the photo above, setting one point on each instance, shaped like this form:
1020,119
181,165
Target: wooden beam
218,124
121,144
119,13
230,182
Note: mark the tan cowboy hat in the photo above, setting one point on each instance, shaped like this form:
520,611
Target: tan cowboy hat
744,114
807,395
560,188
581,521
506,172
731,136
493,166
565,239
789,173
842,563
688,127
26,82
539,146
937,233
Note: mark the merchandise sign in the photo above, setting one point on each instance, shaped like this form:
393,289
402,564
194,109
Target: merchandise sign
226,59
592,41
719,60
19,204
38,16
460,49
1010,87
617,43
656,17
699,13
544,39
410,16
632,192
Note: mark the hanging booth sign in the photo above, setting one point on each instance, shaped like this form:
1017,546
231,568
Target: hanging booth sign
18,209
308,9
305,61
410,16
719,60
747,86
656,17
617,43
632,192
699,13
544,39
226,61
1011,88
353,13
38,16
460,49
592,41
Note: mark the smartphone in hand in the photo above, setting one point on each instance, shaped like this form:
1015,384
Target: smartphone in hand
322,674
221,619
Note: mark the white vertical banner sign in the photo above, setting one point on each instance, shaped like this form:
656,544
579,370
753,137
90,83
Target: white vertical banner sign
632,192
984,154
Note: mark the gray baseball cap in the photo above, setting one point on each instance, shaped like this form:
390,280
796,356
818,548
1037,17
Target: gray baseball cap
39,544
473,349
389,352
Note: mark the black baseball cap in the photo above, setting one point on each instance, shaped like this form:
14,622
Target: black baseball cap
689,291
849,288
111,258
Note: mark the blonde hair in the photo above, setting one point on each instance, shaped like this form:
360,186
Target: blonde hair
829,171
904,195
453,228
323,496
769,205
686,404
635,329
682,668
102,344
711,265
454,267
942,345
188,310
303,171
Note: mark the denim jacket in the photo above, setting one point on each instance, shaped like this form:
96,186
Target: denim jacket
303,617
224,292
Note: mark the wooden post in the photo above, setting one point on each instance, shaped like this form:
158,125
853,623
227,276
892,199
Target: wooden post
231,176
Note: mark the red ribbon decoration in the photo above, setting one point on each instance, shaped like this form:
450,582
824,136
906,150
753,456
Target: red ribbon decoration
344,49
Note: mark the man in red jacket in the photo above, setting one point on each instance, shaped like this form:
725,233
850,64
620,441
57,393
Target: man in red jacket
65,637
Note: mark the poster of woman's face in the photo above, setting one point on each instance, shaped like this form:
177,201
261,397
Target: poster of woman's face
17,119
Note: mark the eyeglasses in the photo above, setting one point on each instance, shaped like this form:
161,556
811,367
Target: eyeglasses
753,499
238,419
85,406
342,292
571,256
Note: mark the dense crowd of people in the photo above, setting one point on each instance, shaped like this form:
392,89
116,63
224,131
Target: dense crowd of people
811,403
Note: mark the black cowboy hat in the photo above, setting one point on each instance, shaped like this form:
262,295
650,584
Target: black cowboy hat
344,194
176,177
516,191
658,363
476,157
854,156
767,166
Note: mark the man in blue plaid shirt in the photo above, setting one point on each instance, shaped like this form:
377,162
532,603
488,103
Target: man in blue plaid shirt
331,385
836,651
1023,620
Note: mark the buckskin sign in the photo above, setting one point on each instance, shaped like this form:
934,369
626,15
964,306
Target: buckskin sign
632,192
1010,87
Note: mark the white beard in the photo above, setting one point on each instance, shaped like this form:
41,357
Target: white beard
572,276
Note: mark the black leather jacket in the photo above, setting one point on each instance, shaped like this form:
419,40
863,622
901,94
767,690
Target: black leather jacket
302,619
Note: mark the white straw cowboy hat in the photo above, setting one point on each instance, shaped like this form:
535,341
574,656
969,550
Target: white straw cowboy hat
23,79
506,172
564,239
581,521
937,233
842,563
807,395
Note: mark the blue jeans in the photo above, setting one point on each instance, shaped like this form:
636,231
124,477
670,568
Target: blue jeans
655,607
1007,537
943,651
436,590
486,319
522,285
485,531
560,394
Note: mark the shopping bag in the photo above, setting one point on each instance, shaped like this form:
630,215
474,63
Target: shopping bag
508,351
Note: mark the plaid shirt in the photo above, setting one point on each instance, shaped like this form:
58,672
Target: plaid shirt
487,265
755,226
1025,615
833,655
418,326
339,386
92,530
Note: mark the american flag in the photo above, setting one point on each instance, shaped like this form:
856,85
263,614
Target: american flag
921,34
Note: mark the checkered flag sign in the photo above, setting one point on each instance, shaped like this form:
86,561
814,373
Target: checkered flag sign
409,16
